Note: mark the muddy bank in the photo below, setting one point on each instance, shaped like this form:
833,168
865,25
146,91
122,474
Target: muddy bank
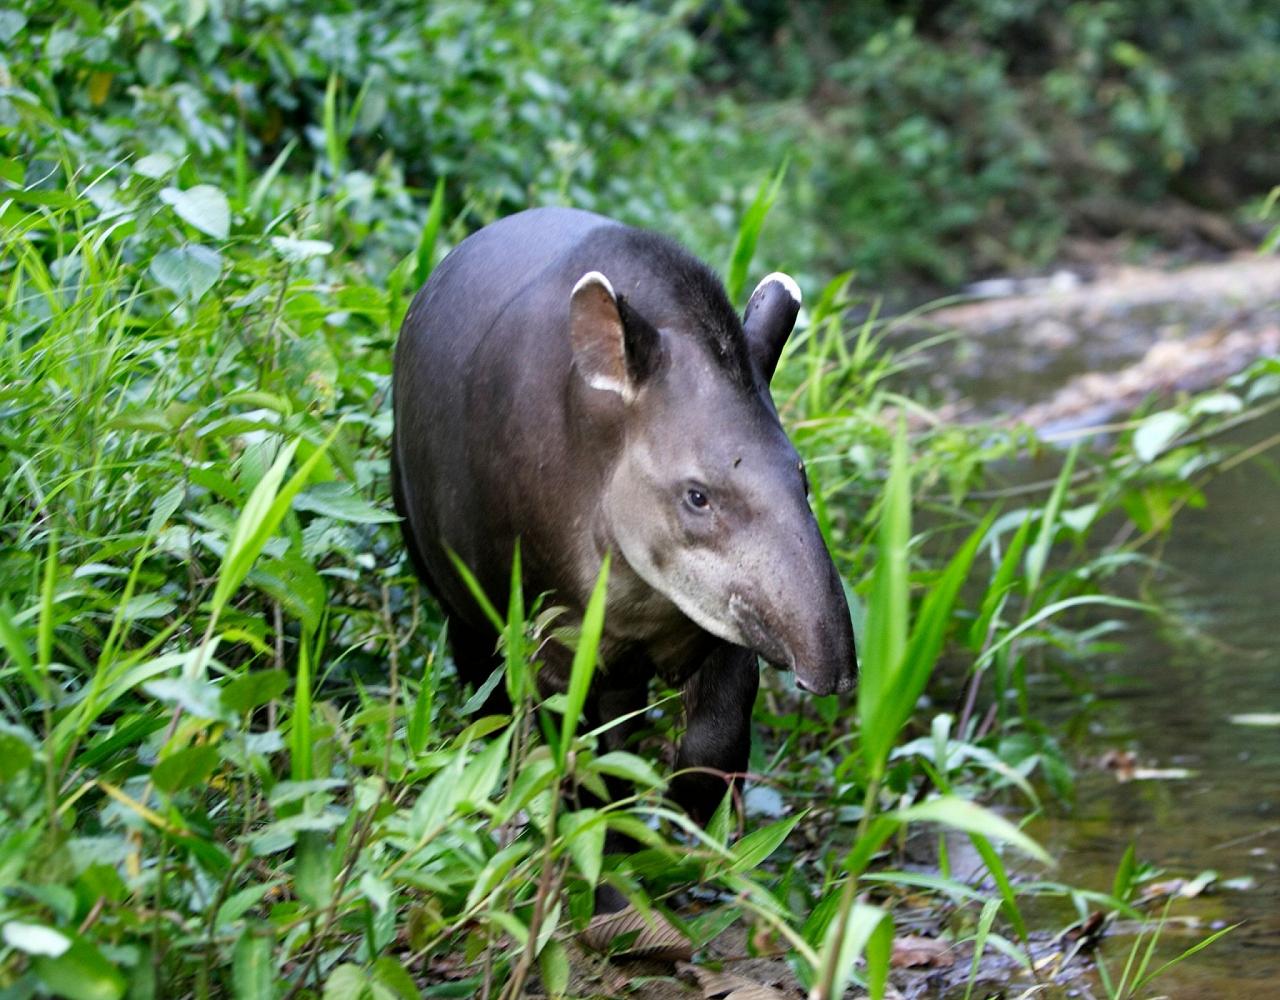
1062,354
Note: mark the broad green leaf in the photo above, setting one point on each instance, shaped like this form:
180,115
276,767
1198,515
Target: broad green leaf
583,835
342,502
253,967
293,581
1157,432
155,165
483,771
389,974
376,891
204,206
238,904
254,688
35,939
346,982
554,965
296,251
436,803
17,750
621,764
312,876
193,696
79,973
185,768
187,271
496,869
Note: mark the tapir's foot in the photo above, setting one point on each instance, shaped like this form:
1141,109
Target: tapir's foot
628,933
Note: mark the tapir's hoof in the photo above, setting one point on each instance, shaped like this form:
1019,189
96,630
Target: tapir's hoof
650,936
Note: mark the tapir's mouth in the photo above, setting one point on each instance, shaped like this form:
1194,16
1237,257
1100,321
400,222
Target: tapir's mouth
763,640
757,635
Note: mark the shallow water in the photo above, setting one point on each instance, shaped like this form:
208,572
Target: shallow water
1169,697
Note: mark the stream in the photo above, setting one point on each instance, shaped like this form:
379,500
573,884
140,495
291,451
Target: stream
1168,700
1172,698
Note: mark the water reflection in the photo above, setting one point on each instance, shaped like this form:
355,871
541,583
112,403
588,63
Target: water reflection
1169,697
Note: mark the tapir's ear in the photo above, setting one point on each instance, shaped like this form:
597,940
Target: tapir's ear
770,315
613,347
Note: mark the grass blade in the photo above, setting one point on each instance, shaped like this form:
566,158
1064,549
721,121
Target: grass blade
584,662
744,245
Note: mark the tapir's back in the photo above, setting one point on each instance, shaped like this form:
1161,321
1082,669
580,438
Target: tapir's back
481,360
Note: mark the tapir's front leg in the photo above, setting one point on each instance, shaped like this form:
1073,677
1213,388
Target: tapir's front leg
718,700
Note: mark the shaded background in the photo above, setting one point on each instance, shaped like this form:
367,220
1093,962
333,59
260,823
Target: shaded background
929,143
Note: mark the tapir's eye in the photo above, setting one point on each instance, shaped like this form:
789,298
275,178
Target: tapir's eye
696,498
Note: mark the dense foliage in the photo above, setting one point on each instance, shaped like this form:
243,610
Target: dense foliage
928,139
233,757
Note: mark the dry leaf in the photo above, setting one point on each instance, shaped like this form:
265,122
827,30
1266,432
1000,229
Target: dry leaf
727,986
1122,762
914,952
653,936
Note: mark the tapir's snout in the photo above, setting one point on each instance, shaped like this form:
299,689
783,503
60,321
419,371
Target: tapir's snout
804,628
828,664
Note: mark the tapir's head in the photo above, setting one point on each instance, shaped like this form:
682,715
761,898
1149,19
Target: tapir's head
708,500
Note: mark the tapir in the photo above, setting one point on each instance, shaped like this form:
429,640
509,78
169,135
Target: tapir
582,387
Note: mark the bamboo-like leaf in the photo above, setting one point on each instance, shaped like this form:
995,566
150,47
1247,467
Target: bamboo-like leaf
744,245
753,849
1048,611
300,741
262,514
513,645
584,662
969,817
994,599
996,867
887,609
908,681
839,956
425,254
1038,554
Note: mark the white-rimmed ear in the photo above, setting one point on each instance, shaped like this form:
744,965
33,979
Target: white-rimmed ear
614,347
769,318
599,341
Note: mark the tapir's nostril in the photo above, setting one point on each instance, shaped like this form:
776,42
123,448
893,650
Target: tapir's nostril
802,685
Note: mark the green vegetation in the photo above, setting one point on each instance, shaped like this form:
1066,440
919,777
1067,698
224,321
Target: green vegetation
234,761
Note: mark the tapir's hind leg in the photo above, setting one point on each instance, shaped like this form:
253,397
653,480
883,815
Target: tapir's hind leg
718,700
